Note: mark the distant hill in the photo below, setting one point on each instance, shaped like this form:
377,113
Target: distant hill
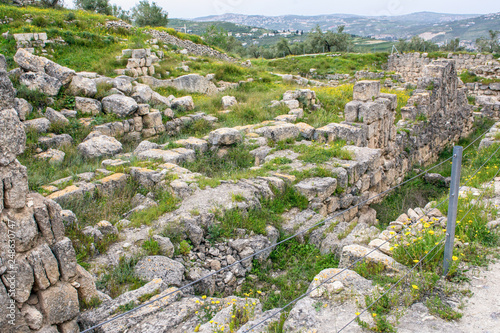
436,26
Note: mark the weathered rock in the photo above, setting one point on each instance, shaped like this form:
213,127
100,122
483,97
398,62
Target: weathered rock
351,253
279,132
185,103
23,108
193,143
82,86
55,141
320,188
30,62
228,101
153,267
106,228
366,90
33,317
350,134
123,84
12,136
41,82
59,303
61,73
145,145
224,136
66,256
21,280
152,120
7,92
87,105
97,144
120,105
142,93
40,125
45,266
166,246
169,156
52,155
55,117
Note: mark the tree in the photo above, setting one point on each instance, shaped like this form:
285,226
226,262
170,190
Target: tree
283,48
453,46
489,45
52,3
216,36
329,41
145,14
118,12
96,6
416,44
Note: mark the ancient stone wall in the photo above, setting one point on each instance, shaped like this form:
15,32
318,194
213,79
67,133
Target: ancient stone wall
40,281
189,46
411,65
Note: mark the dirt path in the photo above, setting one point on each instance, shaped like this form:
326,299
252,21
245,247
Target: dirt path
481,313
482,310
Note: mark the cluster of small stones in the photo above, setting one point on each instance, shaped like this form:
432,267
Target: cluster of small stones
41,283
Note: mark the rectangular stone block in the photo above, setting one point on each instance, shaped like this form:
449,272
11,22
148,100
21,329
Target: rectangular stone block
366,90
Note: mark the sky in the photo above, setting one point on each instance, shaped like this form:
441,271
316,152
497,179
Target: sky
198,8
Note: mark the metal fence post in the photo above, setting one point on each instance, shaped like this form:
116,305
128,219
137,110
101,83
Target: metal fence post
456,169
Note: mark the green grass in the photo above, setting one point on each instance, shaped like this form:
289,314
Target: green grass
298,264
347,63
437,307
469,77
167,202
121,278
256,219
210,165
93,208
333,101
320,153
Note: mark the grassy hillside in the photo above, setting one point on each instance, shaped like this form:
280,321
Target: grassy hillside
88,44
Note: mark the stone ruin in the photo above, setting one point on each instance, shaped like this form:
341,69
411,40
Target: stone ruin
41,283
412,66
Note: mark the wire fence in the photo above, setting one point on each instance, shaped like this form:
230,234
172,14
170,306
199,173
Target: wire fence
271,247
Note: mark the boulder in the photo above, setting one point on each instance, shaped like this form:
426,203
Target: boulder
122,106
23,108
59,303
145,145
54,156
319,187
279,132
224,136
97,145
88,106
352,253
82,86
55,141
12,136
66,257
366,90
30,62
123,84
3,63
228,101
142,93
166,246
186,103
61,73
41,125
154,267
42,82
55,117
177,155
7,92
193,143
